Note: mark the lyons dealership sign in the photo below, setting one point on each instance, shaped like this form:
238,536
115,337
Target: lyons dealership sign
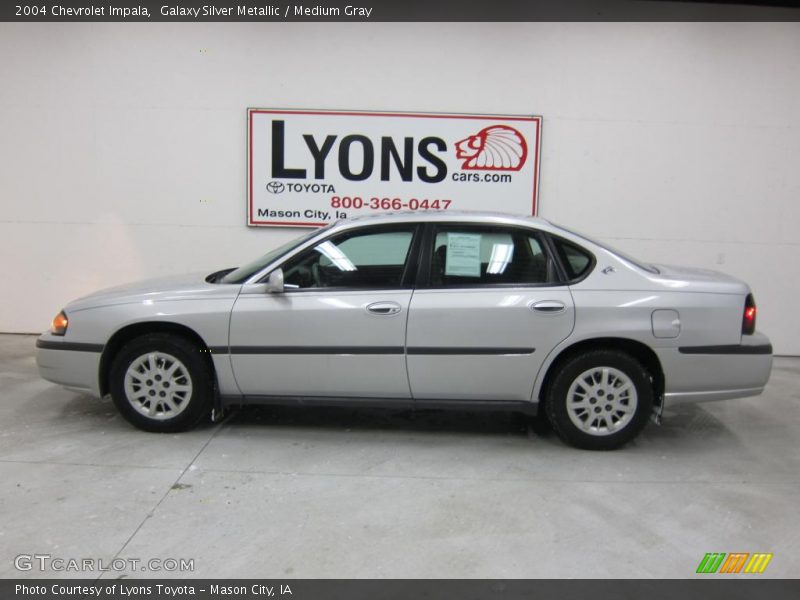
307,168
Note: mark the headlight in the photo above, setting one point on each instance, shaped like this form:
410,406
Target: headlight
60,323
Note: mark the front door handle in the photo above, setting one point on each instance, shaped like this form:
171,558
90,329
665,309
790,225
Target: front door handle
384,308
548,306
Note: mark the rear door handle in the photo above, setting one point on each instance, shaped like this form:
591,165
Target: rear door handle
384,308
548,306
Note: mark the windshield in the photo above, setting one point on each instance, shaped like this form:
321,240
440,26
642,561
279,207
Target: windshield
245,272
626,257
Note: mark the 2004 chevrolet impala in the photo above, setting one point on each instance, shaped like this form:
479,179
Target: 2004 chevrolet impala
424,310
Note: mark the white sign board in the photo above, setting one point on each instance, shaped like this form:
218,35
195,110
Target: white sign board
307,168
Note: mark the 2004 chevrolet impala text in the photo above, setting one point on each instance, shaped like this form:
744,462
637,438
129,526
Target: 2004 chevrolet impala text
424,310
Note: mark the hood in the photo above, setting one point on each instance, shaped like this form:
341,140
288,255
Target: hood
175,287
700,280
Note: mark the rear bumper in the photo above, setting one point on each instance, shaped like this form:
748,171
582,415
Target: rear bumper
703,373
74,366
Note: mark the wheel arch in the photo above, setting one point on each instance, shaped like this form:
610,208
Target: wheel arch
639,350
129,332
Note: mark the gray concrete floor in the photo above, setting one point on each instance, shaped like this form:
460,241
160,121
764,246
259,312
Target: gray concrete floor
290,492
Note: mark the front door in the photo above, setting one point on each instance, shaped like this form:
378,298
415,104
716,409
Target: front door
489,315
338,330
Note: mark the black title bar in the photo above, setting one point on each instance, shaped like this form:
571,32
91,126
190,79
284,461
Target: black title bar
396,10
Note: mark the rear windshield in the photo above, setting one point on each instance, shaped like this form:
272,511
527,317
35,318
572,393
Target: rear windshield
626,257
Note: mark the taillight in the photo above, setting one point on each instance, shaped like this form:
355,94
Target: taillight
749,318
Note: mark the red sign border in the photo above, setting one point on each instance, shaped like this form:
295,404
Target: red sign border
351,113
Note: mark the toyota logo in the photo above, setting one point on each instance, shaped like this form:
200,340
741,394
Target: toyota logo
275,187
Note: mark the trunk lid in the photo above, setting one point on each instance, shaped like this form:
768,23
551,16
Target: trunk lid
700,280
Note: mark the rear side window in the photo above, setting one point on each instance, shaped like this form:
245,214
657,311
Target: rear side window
472,255
576,260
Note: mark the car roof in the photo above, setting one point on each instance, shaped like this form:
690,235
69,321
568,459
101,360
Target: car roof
490,217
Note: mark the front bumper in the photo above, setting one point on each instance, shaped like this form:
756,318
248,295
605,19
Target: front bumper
703,373
72,365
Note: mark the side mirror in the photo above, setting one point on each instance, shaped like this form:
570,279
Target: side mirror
275,282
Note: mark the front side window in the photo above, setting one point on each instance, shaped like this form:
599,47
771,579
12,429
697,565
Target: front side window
373,259
468,256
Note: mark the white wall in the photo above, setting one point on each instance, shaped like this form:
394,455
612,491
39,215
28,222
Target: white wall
122,146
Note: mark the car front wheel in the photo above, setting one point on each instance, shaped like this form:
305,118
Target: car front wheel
600,400
161,382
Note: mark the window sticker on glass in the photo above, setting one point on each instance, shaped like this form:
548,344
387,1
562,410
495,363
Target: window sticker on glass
463,255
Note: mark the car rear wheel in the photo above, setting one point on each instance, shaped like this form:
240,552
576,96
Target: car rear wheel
600,400
161,382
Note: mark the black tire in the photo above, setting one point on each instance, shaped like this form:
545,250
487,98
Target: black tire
596,435
193,367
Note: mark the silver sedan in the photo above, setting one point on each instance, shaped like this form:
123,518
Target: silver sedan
428,310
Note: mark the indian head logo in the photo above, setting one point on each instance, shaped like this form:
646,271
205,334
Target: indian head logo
495,148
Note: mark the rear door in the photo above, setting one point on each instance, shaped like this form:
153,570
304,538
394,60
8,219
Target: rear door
488,309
